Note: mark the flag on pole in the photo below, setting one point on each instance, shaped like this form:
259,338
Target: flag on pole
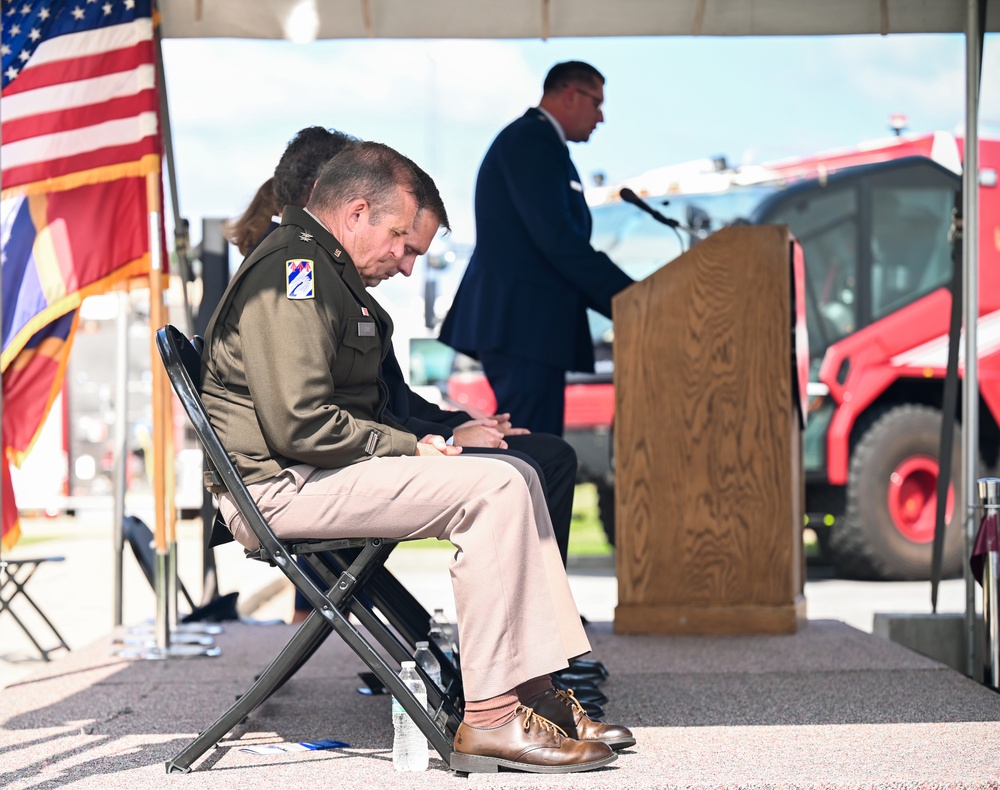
80,133
79,93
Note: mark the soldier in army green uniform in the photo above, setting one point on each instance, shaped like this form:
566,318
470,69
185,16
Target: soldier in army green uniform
290,380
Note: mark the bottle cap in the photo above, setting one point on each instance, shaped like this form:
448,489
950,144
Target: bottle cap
419,645
408,665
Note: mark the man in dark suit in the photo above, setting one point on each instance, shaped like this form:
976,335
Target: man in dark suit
522,306
552,458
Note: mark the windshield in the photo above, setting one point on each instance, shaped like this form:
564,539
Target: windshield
640,245
874,241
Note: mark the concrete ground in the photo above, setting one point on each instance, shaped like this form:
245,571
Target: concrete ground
831,706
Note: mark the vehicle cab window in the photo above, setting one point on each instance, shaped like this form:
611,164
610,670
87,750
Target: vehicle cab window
827,225
874,240
911,254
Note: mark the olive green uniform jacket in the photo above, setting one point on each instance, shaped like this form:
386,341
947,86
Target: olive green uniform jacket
292,356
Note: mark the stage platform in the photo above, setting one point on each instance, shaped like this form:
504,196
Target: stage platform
830,707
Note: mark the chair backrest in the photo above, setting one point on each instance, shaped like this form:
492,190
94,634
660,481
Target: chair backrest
182,360
140,539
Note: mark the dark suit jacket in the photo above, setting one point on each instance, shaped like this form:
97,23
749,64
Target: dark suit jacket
417,415
552,459
533,272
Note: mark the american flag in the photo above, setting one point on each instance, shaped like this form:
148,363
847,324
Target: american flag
80,136
79,93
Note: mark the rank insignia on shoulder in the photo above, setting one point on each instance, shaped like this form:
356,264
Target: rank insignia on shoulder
299,279
305,236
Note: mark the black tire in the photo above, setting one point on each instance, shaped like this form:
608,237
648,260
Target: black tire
606,509
868,542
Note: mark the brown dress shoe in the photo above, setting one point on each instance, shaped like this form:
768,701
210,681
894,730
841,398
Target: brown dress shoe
562,708
525,743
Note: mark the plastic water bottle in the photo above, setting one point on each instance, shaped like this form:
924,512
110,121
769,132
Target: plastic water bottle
409,746
443,634
424,658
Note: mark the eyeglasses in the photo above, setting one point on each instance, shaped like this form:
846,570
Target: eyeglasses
597,100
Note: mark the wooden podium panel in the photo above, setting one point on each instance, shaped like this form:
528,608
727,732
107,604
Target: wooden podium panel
708,448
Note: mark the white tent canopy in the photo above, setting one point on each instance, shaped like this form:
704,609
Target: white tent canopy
325,19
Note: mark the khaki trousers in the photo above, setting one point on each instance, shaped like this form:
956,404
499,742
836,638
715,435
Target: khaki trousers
516,616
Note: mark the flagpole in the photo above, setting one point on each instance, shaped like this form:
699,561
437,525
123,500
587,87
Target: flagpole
182,241
3,446
165,514
160,415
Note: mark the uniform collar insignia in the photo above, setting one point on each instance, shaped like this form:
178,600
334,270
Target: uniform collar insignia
305,236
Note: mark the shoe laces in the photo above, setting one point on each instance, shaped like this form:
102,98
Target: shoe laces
568,698
532,719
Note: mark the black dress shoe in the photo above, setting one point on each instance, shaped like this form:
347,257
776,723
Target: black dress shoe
563,680
574,677
584,693
594,711
588,665
591,695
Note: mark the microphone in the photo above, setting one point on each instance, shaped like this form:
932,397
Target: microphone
629,196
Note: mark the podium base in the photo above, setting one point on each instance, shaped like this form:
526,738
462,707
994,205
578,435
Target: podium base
710,620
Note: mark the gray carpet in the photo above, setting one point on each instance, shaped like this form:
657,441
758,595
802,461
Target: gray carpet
830,707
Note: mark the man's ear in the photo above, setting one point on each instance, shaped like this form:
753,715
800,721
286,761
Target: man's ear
355,211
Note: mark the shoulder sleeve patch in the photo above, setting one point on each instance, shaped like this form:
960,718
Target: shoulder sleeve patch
299,274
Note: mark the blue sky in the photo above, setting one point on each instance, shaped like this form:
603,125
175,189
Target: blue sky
235,103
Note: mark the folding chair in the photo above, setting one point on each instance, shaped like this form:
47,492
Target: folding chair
15,577
347,593
140,539
386,595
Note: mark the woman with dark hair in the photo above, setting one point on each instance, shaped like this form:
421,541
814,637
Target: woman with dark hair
253,224
290,185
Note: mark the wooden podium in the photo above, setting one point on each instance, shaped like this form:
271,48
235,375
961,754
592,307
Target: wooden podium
710,364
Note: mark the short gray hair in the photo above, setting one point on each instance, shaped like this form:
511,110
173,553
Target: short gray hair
368,171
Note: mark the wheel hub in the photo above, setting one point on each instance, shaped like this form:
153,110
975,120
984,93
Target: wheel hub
913,498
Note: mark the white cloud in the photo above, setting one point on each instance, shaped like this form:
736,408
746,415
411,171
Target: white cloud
236,82
922,76
989,107
235,104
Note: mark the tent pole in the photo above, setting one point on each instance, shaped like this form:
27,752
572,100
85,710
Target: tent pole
181,236
970,292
